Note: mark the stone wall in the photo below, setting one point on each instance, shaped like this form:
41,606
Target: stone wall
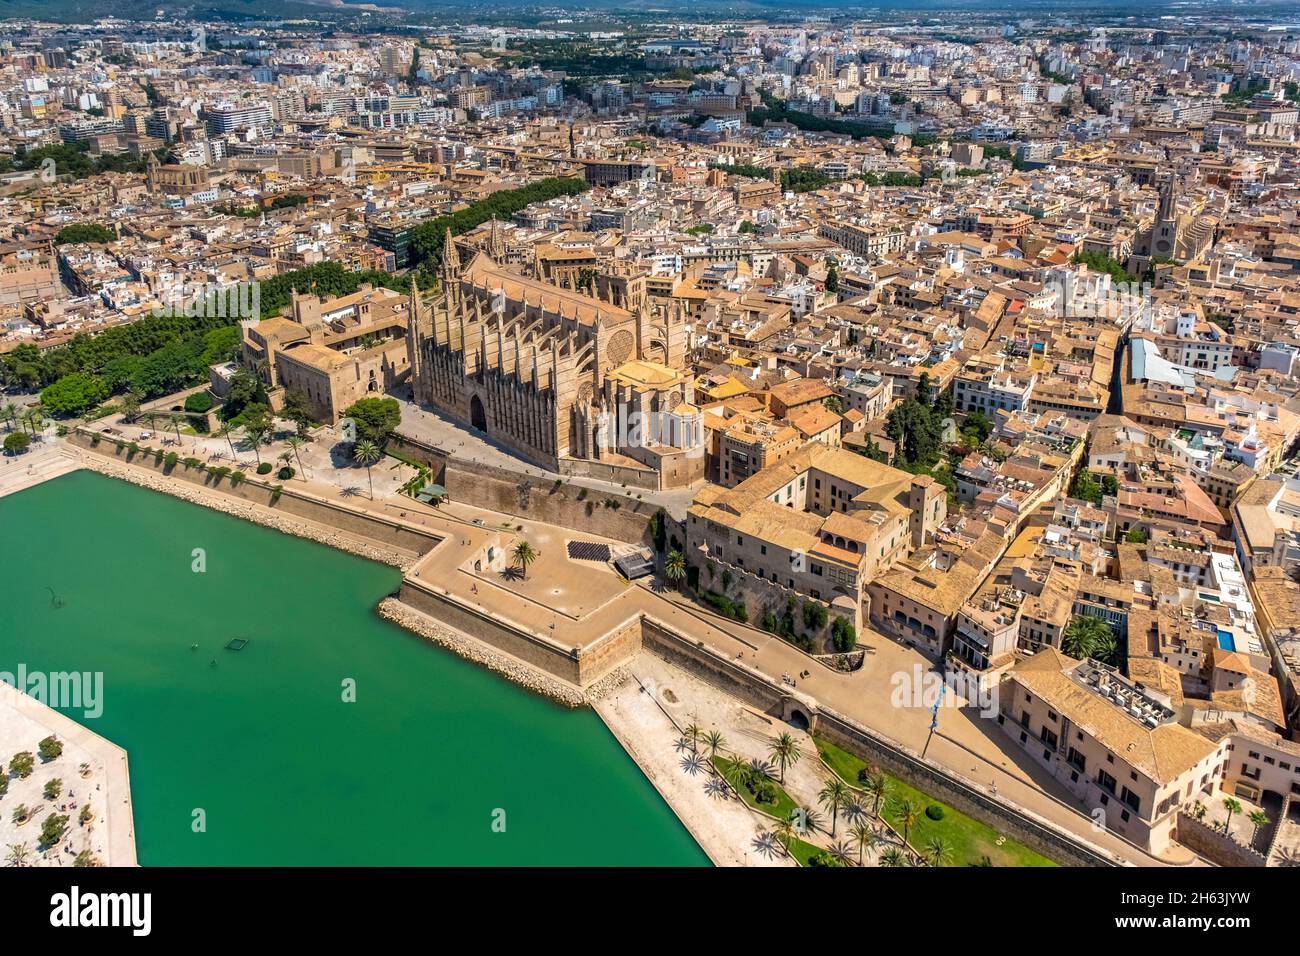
481,485
539,499
536,651
699,659
1214,844
763,594
644,478
430,455
290,500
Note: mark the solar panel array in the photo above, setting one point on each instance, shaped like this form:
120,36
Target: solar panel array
588,551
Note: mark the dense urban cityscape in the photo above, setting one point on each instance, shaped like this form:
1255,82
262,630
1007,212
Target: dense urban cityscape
869,440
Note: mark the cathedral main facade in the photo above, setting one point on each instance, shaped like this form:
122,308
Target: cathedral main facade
560,376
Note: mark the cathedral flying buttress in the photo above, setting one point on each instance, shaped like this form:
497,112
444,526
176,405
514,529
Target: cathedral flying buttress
558,374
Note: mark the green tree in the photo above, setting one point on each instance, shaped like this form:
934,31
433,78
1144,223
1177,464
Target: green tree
74,394
226,431
367,453
84,232
1260,820
53,829
524,554
916,433
675,568
715,742
53,788
129,406
297,409
295,444
18,855
784,749
253,434
51,748
22,764
16,443
844,636
924,390
833,403
865,838
1087,636
1085,487
907,814
376,418
938,852
693,733
877,786
1232,806
834,797
832,279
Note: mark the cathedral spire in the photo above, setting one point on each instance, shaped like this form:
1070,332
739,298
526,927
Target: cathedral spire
450,257
450,268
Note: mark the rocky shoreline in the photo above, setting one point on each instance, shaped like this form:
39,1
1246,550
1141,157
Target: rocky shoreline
514,670
286,524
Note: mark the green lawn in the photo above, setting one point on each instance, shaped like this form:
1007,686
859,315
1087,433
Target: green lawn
969,839
784,803
802,851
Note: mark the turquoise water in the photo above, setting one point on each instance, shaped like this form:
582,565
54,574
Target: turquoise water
416,771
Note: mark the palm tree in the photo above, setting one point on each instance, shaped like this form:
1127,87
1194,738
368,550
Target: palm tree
524,555
715,742
225,431
865,838
938,852
295,442
366,452
1260,819
741,773
284,458
693,733
176,420
908,815
834,797
130,405
11,415
878,786
892,857
1232,806
17,855
785,751
675,568
840,853
254,435
783,830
